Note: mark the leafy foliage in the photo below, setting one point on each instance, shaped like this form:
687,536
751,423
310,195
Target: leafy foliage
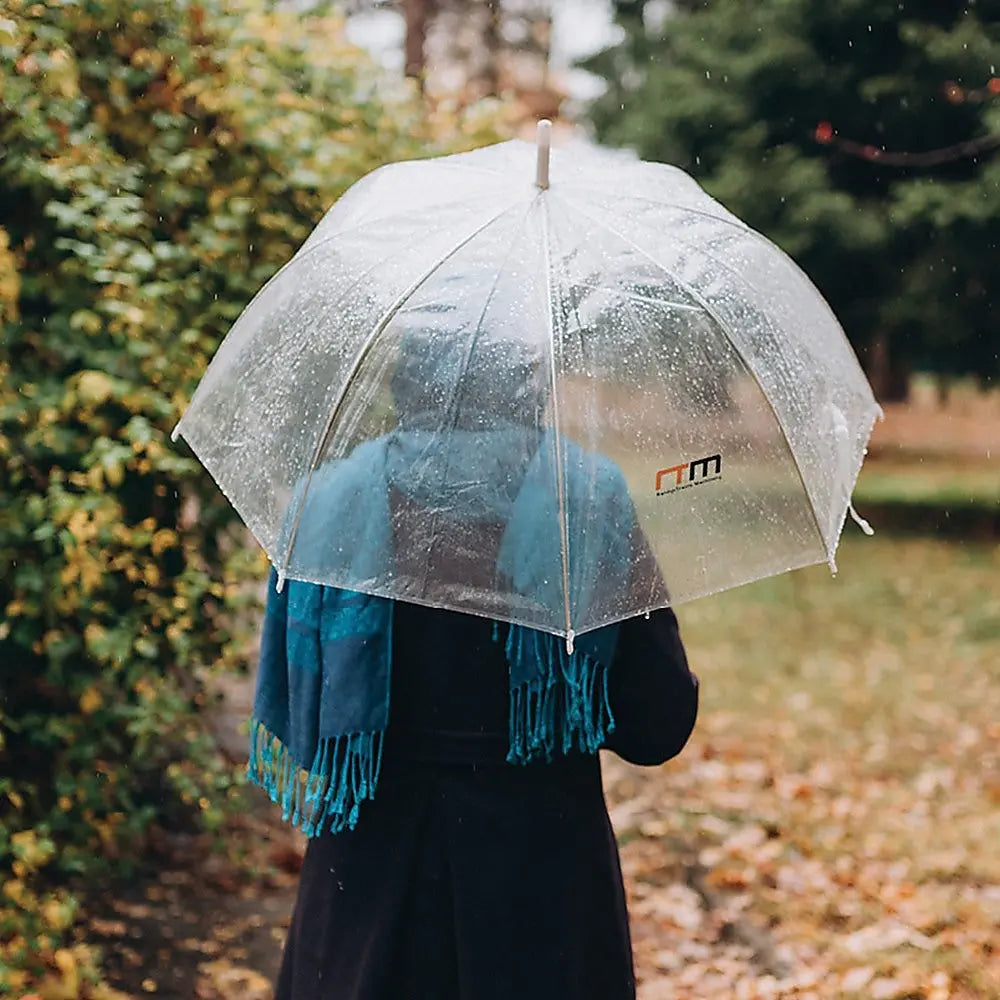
160,159
755,98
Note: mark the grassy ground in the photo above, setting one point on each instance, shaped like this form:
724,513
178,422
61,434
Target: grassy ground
915,480
833,830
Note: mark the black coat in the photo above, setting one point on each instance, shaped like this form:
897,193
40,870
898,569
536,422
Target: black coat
468,878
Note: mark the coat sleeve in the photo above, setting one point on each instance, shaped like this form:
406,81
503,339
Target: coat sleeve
653,693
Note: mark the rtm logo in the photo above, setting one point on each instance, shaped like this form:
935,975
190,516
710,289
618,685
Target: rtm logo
701,470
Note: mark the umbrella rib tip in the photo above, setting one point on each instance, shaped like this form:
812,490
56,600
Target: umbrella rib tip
544,141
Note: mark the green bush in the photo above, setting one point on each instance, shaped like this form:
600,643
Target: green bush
159,159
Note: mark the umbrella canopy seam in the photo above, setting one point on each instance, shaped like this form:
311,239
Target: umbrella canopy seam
473,342
727,219
284,270
307,251
560,472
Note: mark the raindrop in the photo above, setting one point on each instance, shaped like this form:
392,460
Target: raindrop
859,521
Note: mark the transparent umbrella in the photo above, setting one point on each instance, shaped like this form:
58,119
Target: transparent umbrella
646,397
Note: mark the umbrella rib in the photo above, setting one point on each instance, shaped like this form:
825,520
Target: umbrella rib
733,222
724,327
624,293
282,270
306,251
452,411
637,330
359,360
560,472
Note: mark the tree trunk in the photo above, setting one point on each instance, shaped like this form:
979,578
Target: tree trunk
492,44
417,14
888,373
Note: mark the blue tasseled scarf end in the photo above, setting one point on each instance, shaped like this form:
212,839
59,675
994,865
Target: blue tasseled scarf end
565,707
327,796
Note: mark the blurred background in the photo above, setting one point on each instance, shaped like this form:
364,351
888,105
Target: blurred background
832,830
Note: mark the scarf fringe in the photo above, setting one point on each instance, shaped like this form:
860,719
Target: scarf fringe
567,706
326,796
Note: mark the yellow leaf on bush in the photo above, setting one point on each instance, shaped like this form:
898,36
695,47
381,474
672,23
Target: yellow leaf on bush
93,388
91,574
114,472
80,526
30,849
95,478
90,701
10,282
13,889
58,915
93,633
69,988
163,539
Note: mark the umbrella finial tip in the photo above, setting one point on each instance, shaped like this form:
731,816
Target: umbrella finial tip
544,141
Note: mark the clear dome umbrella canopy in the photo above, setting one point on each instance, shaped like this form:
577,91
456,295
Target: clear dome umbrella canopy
644,399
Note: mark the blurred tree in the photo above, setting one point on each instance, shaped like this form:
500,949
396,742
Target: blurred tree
416,13
811,120
476,48
159,160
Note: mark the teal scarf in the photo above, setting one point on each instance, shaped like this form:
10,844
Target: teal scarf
322,700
